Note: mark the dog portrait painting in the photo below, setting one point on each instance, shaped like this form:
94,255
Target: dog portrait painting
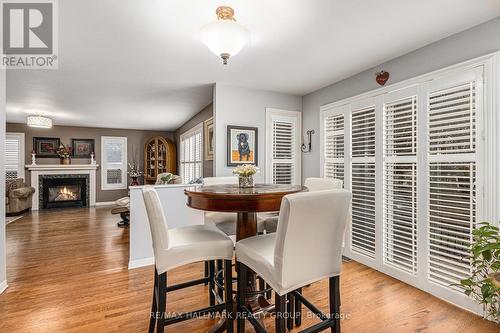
241,145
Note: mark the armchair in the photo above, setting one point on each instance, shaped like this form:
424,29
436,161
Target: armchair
18,196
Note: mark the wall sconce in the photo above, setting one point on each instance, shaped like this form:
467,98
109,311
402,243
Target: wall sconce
307,148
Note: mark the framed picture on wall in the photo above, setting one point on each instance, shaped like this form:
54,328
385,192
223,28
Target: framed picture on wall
209,139
46,147
82,148
242,145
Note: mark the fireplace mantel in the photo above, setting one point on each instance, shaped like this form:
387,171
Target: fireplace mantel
62,169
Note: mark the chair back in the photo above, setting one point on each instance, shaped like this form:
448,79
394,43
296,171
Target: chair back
156,217
309,238
321,184
232,180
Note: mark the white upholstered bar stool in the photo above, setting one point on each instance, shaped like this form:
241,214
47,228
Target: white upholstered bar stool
181,246
306,248
313,184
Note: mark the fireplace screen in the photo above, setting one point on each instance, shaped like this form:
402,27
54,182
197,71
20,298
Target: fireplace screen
64,193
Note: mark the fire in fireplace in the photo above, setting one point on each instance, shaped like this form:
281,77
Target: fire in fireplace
64,193
69,191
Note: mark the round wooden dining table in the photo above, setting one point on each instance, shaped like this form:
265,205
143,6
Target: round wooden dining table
246,202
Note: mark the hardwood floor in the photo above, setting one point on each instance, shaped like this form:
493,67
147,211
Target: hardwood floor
67,272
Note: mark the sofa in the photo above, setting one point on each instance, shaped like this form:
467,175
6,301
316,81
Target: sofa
18,196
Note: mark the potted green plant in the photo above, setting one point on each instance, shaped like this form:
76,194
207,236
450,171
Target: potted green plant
484,283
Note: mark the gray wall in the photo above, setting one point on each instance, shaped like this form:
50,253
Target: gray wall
135,142
3,252
206,113
245,107
469,44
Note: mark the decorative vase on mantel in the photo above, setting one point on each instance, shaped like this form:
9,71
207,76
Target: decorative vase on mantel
65,160
245,181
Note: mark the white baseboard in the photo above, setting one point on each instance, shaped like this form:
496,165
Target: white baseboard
105,203
137,263
3,286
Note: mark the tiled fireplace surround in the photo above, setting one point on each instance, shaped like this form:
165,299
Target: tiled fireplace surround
64,171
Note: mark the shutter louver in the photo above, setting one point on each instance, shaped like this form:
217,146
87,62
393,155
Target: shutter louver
400,185
12,158
452,179
191,155
283,157
363,181
452,216
334,128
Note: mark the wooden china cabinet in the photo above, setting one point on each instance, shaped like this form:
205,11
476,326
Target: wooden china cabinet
159,157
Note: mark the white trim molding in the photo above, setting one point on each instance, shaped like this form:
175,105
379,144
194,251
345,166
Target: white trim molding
105,204
3,286
60,169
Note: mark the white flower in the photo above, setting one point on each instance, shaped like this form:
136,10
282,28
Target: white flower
246,170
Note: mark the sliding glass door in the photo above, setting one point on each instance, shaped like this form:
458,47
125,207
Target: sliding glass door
412,159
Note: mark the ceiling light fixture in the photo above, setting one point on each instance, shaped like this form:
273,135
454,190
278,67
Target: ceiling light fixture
39,122
224,37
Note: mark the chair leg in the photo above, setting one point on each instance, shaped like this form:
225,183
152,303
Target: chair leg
280,313
220,291
298,309
290,311
206,271
211,284
162,303
152,318
269,293
334,286
242,287
228,284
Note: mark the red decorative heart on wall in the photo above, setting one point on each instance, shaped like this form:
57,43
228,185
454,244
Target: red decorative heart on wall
382,77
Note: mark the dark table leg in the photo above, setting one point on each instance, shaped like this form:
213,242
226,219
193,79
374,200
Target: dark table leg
246,226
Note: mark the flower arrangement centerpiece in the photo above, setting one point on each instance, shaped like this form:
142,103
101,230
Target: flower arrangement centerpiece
245,174
134,173
64,152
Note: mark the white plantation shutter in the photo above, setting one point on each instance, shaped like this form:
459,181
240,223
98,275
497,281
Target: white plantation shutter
114,163
363,181
334,146
452,181
422,171
283,155
14,155
400,184
191,154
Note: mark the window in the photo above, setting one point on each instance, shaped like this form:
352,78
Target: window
14,155
452,210
114,163
363,180
334,145
416,165
400,182
191,154
283,156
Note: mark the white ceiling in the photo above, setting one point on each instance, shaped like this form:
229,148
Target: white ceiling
139,64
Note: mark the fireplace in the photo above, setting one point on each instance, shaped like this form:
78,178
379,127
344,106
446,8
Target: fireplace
59,191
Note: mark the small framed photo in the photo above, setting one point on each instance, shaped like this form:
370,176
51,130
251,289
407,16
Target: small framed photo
82,148
242,145
209,139
46,147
